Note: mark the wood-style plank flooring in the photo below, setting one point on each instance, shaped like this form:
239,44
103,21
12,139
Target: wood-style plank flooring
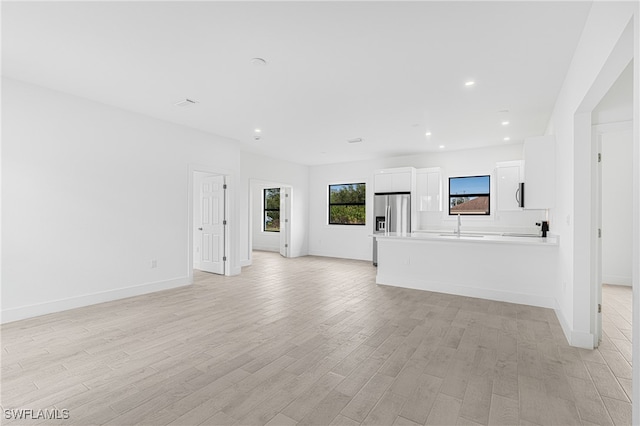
315,341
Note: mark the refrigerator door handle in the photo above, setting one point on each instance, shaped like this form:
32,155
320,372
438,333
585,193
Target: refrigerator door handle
387,213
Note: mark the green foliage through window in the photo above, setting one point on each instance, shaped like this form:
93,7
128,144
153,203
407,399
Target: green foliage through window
271,216
347,204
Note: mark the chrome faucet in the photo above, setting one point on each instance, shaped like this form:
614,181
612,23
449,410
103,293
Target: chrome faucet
459,224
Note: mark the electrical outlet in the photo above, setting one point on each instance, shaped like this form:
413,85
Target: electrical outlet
154,263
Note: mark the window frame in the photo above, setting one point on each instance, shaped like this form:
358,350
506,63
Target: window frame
330,204
265,210
488,195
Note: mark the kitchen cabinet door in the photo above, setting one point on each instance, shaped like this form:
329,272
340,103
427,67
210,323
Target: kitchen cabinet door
429,190
540,173
392,181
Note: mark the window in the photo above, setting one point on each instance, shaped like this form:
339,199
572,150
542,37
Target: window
469,195
347,204
271,212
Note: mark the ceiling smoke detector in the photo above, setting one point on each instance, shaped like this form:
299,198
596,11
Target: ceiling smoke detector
186,102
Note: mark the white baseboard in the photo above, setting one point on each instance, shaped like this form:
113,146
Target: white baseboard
582,340
265,248
30,311
575,338
617,280
460,290
327,253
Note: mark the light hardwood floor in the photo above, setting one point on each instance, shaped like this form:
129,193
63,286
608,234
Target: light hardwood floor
315,341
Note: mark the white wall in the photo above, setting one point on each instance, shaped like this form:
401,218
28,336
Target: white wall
91,194
345,241
617,242
260,168
354,242
594,64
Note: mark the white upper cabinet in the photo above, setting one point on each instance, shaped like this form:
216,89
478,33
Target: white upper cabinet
540,173
429,190
509,175
394,180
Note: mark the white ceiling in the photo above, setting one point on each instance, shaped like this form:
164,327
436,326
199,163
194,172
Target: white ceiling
386,72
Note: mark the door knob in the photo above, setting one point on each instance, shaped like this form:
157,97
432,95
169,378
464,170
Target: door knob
199,229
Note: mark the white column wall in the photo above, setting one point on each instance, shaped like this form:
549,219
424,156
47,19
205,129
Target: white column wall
572,129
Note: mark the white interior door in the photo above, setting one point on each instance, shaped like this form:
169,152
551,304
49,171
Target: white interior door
212,224
285,222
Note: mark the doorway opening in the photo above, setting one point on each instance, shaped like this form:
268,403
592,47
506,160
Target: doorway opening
612,144
270,223
614,247
614,207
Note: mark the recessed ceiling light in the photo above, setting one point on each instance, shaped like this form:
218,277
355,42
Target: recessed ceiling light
507,138
257,130
258,62
186,102
428,134
505,123
441,147
469,83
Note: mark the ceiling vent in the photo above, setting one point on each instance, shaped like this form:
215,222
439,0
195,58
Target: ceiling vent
258,62
186,102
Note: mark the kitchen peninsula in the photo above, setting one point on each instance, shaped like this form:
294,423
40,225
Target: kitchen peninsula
502,267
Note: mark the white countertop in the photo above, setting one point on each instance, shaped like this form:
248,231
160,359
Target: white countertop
470,237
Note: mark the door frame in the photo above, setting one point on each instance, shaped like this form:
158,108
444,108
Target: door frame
192,168
285,225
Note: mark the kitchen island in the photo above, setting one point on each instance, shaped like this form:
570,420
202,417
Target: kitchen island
509,268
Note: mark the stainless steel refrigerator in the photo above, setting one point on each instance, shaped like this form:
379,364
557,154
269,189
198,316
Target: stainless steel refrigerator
392,214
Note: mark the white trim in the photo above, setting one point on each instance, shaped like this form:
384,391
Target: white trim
266,248
618,126
617,280
575,338
583,340
29,311
468,291
337,255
